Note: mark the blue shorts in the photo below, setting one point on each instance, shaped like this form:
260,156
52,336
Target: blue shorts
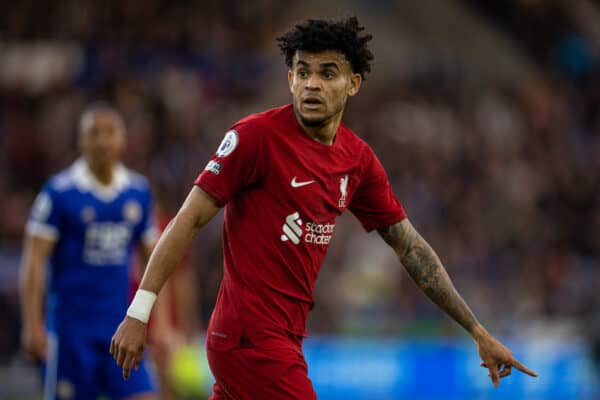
82,368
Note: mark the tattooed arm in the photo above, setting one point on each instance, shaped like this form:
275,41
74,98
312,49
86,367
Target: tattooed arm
426,269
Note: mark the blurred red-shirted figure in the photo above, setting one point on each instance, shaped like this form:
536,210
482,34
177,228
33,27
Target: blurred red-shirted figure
284,175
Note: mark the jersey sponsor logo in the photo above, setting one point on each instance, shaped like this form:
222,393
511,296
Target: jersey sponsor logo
132,211
311,232
106,243
343,191
292,228
229,143
42,206
296,184
213,167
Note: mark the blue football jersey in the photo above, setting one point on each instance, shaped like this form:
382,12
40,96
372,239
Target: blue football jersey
96,229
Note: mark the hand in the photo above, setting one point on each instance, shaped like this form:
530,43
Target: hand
34,341
127,345
497,358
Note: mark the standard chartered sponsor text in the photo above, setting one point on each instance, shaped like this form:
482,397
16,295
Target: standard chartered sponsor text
318,233
311,232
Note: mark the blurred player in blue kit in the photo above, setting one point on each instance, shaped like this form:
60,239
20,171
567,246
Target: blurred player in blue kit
85,225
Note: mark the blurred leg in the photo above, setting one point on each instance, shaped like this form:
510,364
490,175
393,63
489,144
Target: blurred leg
69,369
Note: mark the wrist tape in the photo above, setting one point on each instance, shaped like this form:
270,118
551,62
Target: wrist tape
141,305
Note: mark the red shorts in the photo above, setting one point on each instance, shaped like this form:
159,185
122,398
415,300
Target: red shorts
251,371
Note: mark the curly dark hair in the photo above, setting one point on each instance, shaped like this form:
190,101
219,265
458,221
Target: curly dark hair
315,35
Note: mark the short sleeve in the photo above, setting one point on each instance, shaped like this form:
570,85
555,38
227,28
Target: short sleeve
149,231
235,166
374,203
45,218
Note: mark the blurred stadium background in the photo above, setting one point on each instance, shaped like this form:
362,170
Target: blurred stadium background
485,114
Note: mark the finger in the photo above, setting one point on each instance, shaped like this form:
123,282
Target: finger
115,349
121,356
506,371
138,361
112,347
494,374
483,365
523,368
127,364
116,355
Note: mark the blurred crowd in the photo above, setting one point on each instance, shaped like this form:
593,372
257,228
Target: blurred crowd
500,177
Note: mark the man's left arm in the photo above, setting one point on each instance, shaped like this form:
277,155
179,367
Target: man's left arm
427,271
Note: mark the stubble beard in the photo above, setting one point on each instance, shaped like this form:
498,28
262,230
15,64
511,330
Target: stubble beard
310,122
313,123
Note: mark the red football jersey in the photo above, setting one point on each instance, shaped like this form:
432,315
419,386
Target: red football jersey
283,192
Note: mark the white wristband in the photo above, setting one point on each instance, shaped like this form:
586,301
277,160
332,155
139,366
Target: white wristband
141,305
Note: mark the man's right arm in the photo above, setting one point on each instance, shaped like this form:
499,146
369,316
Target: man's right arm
199,208
36,251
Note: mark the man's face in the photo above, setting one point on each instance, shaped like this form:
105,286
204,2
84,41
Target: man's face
320,84
102,139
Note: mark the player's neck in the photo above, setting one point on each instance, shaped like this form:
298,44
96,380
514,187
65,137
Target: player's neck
103,174
324,134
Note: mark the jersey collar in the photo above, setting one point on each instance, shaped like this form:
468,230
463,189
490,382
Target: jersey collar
87,182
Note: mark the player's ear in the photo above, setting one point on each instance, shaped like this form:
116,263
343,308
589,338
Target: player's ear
122,142
355,82
291,80
82,139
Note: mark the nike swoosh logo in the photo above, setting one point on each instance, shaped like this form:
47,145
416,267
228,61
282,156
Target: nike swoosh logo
296,184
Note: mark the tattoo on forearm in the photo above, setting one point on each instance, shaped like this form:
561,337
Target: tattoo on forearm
426,269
